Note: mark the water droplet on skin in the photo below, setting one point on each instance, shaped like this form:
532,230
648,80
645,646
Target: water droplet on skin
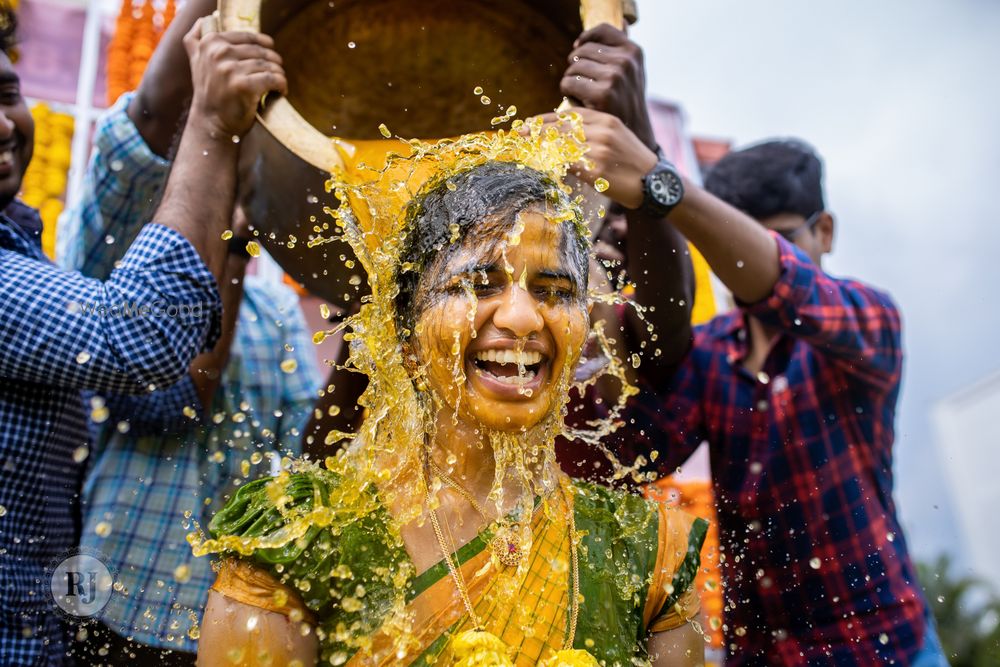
236,139
739,264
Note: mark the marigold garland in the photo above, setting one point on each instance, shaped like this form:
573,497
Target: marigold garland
138,30
44,184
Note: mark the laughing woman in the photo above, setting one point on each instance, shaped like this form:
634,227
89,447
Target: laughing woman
448,535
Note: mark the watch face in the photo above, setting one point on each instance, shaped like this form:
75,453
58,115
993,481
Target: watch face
665,188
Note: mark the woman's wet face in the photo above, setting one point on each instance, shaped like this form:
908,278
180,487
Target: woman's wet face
501,322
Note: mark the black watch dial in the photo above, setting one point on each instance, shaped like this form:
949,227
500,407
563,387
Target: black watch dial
665,188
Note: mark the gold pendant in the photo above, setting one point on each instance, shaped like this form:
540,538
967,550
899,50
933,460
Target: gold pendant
506,547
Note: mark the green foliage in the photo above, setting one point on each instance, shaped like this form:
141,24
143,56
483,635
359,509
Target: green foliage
967,611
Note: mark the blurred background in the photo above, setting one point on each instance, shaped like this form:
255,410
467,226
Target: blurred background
900,98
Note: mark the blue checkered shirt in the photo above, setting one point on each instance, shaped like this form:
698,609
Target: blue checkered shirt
61,334
155,472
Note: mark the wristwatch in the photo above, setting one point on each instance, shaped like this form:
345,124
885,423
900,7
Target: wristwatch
662,189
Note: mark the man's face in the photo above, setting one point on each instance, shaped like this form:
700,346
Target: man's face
502,329
17,132
814,235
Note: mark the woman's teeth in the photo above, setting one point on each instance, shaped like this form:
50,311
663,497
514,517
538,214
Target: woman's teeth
521,358
509,366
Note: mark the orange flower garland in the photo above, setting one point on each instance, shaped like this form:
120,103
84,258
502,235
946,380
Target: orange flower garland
44,184
138,29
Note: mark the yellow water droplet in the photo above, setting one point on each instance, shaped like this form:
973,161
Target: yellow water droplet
3,511
636,361
182,573
102,529
100,415
478,90
601,184
253,248
289,365
319,337
226,235
189,412
485,99
256,458
384,131
194,632
81,453
245,468
324,311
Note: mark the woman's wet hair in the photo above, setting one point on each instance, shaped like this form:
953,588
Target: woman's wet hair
487,198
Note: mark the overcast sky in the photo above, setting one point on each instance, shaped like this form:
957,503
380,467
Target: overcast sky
900,97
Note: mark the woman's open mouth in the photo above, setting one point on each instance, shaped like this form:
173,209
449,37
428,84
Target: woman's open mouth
506,370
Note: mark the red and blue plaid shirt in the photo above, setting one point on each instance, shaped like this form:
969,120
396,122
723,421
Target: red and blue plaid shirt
815,566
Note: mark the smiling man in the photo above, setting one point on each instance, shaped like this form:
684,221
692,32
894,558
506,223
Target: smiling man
52,350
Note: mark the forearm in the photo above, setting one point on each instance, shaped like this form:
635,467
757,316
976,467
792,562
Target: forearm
206,370
165,90
740,251
660,267
199,195
336,410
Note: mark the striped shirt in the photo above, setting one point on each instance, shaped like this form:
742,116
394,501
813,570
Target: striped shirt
60,334
157,474
815,567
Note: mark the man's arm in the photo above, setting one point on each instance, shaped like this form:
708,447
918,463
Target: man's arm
165,89
856,325
606,73
231,72
128,167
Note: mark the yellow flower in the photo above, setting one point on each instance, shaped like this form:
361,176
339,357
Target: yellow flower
570,658
475,648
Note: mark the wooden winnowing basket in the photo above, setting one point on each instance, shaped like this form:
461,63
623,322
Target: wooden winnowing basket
410,64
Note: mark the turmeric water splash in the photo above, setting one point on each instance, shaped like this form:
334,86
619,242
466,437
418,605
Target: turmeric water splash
382,465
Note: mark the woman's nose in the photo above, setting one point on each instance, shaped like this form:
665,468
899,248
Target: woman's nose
518,312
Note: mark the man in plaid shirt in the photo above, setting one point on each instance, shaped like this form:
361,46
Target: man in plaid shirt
163,461
795,393
63,333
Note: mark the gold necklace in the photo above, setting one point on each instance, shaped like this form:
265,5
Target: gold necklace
506,543
456,574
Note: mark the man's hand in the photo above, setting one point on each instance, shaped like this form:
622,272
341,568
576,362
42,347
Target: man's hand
618,156
606,73
230,73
